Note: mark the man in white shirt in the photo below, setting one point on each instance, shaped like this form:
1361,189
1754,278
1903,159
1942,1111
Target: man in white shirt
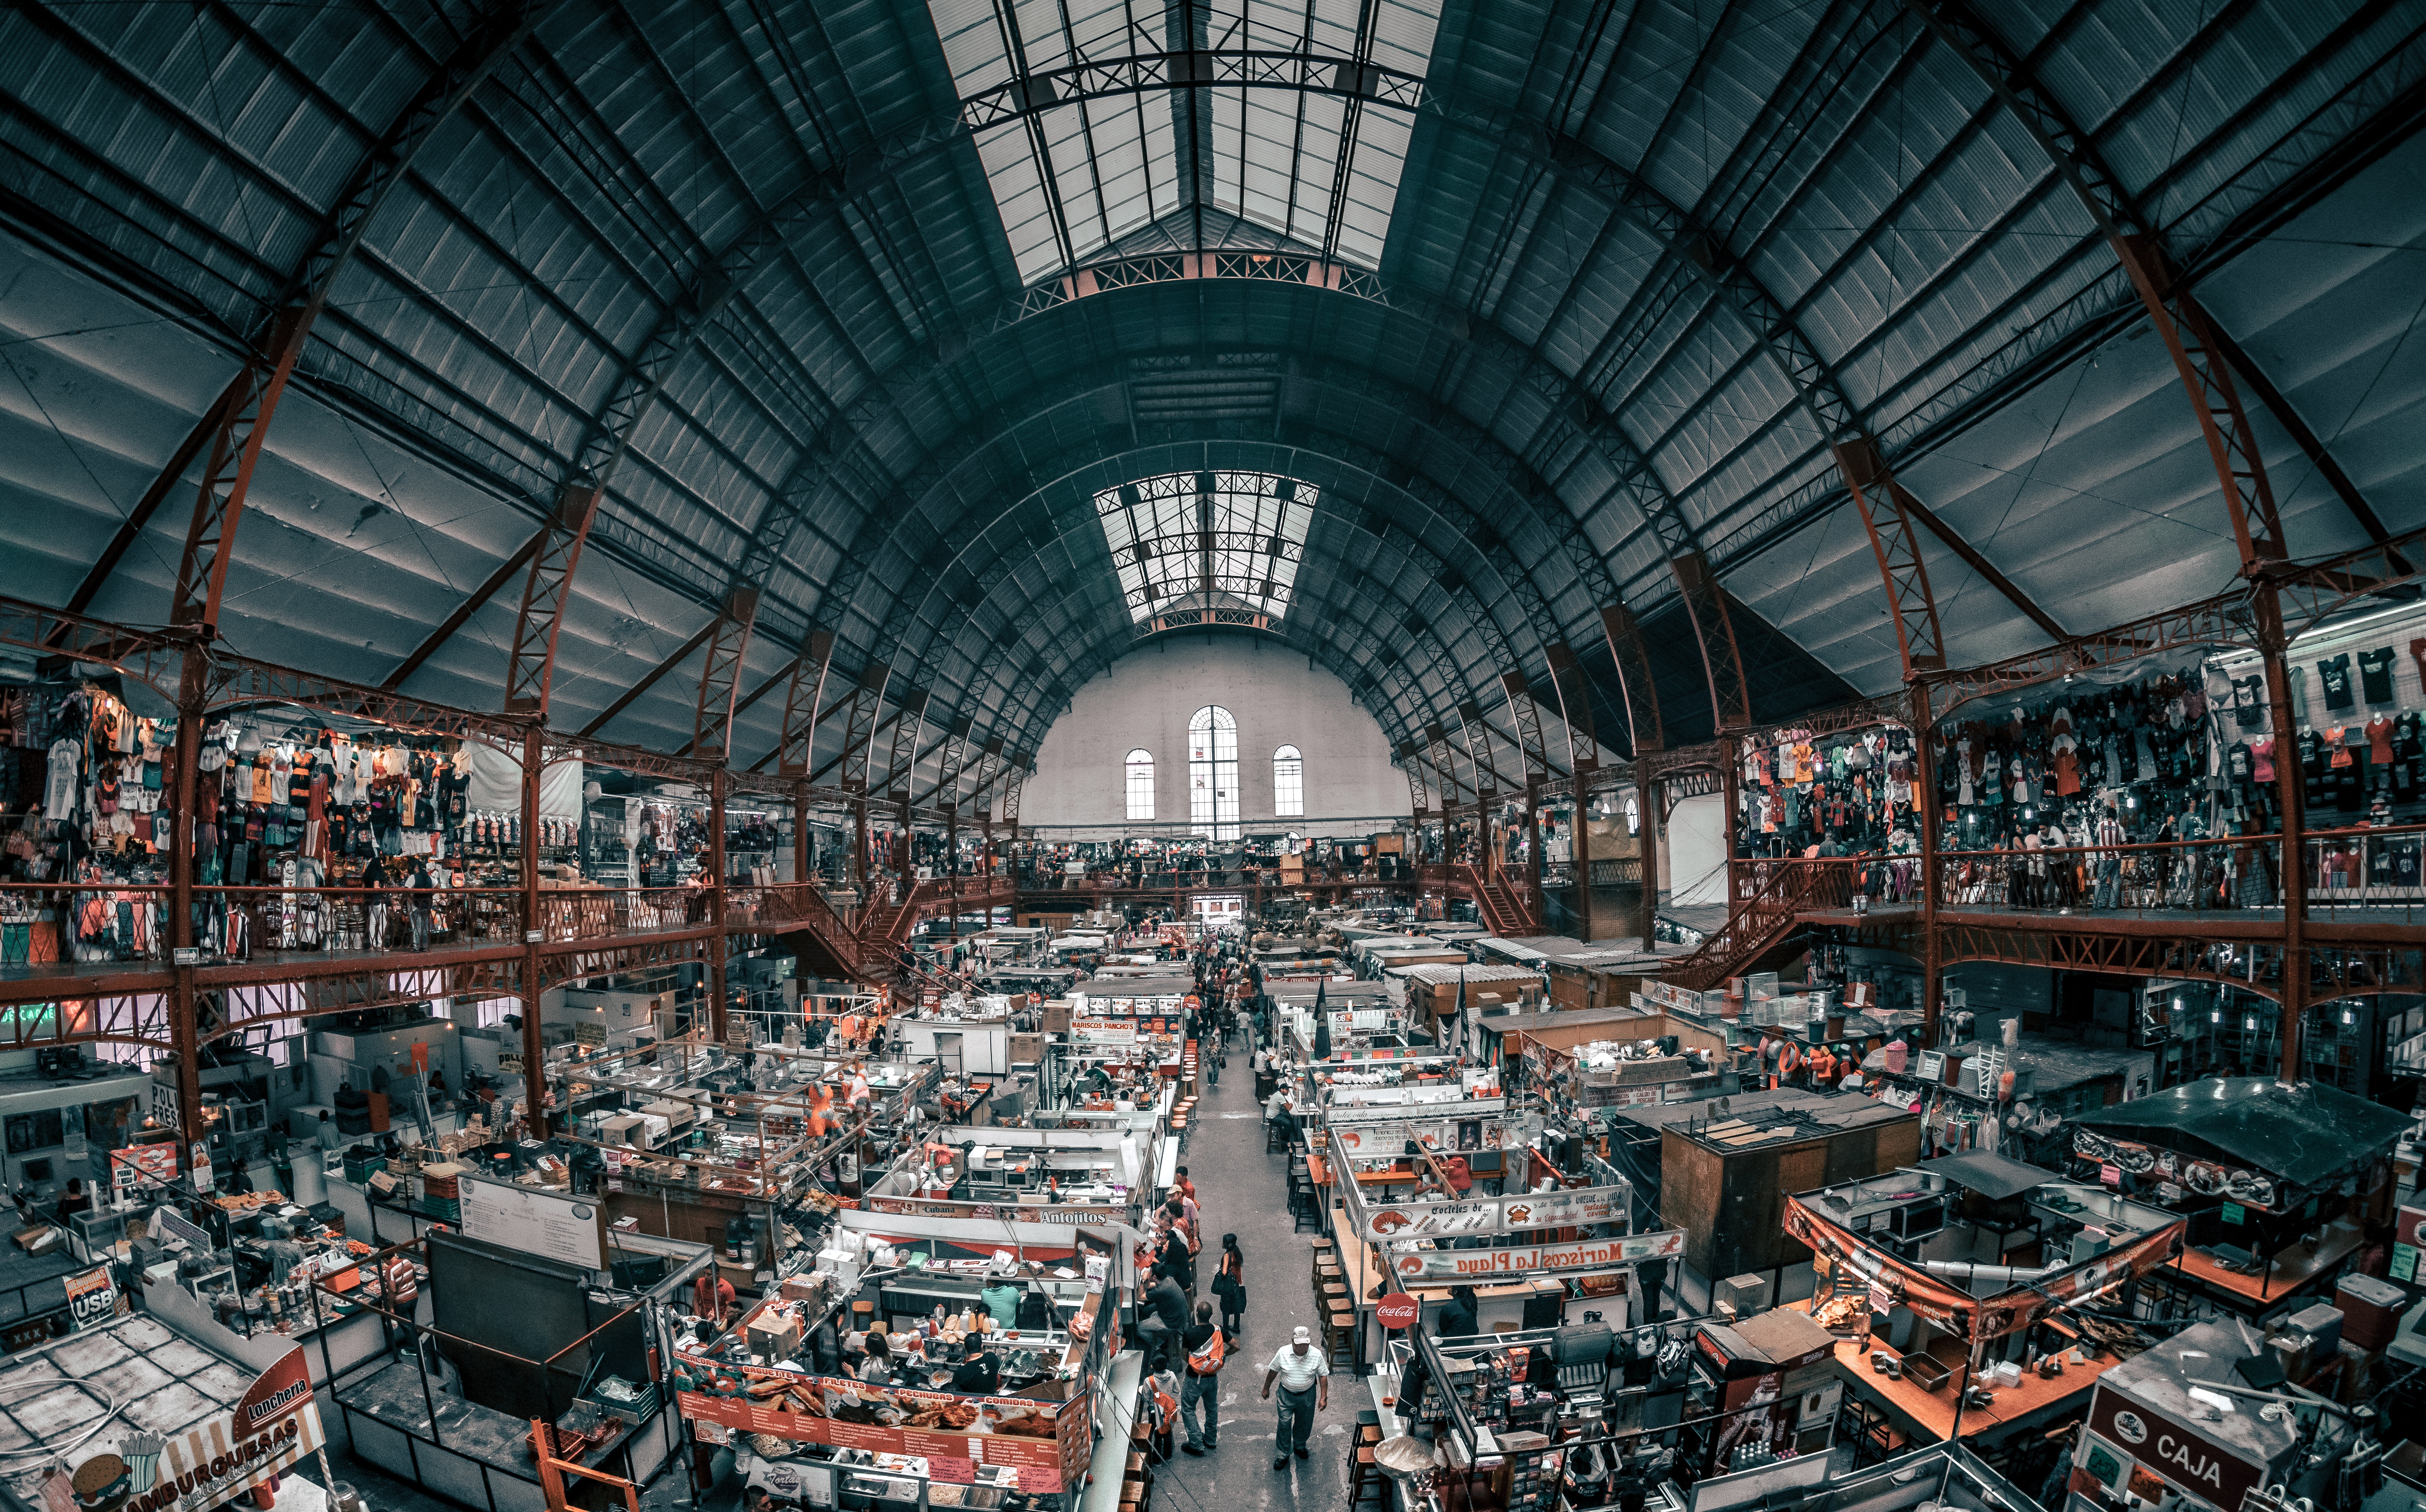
1304,1374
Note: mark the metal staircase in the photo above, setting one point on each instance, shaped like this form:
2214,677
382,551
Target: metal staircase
1760,921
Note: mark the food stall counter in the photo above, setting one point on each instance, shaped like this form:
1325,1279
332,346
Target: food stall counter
2290,1273
1920,1412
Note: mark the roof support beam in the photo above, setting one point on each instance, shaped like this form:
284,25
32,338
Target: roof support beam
720,675
1633,659
244,410
650,679
2205,377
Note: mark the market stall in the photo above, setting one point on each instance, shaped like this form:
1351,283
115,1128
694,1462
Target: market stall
1725,1169
1942,1343
1456,1197
740,1148
973,1409
552,1319
2275,1183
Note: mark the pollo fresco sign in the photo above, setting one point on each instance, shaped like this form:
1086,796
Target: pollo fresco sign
1501,1214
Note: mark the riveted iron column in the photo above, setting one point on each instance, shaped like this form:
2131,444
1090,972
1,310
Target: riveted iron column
718,783
534,1048
2290,796
192,702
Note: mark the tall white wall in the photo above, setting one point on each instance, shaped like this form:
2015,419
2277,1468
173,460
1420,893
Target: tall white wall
1147,699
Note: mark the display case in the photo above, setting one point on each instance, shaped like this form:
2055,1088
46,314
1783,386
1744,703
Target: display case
91,1235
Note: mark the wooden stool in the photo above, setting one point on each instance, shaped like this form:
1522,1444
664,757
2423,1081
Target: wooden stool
1275,1137
862,1311
1339,1339
1367,1485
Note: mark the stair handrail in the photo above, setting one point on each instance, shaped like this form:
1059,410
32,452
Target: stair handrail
1759,918
805,904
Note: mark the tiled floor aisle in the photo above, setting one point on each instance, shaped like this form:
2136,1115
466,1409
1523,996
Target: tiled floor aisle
1245,1192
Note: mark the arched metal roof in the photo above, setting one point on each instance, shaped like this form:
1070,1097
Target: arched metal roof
1540,294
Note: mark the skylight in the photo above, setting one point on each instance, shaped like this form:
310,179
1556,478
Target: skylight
1085,141
1217,539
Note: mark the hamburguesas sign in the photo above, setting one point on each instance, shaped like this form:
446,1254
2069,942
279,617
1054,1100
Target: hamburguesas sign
275,1425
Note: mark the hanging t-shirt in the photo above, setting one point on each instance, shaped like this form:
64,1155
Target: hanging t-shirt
2236,764
2262,758
2312,754
2379,740
2336,677
2375,675
60,795
2249,700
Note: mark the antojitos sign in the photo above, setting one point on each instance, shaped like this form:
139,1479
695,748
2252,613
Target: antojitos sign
2192,1461
275,1425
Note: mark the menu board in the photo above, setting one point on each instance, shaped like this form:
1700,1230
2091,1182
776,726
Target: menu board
534,1221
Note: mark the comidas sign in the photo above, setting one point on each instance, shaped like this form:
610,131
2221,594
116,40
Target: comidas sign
2192,1461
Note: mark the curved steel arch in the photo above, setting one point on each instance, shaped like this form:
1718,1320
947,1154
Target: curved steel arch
683,319
1082,526
2205,377
1524,489
238,421
957,537
960,535
1570,424
1365,635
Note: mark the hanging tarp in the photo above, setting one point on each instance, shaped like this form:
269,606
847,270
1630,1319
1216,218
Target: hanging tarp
496,779
1958,1312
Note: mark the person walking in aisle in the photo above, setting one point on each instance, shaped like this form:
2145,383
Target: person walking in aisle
1230,1285
1199,1390
1304,1374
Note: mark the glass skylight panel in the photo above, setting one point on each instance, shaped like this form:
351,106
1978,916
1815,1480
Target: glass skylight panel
1073,177
1237,544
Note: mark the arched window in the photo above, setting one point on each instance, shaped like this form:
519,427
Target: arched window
1289,782
1213,773
1140,783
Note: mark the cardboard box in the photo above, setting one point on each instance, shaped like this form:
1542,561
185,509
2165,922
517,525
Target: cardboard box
776,1337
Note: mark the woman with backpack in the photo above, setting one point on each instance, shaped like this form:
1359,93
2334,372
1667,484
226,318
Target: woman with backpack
1230,1285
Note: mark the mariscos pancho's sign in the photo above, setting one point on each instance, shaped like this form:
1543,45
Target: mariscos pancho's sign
1528,1260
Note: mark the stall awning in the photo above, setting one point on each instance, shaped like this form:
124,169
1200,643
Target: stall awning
2306,1134
1992,1176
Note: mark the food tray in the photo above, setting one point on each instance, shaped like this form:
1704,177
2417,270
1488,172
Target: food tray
1927,1370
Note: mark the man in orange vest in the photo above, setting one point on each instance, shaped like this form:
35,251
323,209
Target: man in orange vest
1200,1400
